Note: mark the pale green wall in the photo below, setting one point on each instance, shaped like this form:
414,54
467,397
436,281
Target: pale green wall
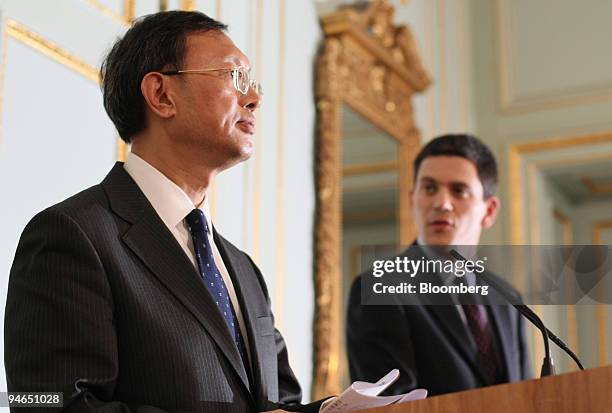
551,58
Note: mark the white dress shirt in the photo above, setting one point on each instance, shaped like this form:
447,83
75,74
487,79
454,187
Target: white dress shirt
172,205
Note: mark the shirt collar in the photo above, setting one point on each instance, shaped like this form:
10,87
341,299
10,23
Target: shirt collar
170,202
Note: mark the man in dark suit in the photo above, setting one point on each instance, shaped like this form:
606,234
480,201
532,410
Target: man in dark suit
458,345
124,297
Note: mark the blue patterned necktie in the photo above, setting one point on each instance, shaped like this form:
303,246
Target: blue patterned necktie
198,227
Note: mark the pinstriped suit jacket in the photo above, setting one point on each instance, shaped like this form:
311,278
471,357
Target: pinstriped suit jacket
104,305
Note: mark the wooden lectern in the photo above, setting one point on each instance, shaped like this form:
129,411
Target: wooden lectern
588,391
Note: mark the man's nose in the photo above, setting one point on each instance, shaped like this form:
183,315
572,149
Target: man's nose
443,200
251,100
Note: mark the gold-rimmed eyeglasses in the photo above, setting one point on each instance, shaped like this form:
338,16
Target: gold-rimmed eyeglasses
241,78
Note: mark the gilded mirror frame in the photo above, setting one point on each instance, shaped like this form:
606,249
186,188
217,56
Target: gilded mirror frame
373,67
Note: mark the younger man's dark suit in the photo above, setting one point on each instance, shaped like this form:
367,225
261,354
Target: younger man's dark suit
430,344
104,305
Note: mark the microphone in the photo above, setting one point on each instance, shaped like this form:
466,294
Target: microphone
531,316
548,367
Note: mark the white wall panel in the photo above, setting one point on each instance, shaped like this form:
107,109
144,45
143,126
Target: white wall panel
441,31
228,194
298,196
55,137
547,55
114,5
143,7
96,30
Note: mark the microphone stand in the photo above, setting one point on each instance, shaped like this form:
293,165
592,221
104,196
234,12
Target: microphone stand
548,367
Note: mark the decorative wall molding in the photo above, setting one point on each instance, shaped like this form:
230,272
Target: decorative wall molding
516,156
430,47
512,103
518,164
566,224
570,310
370,216
188,5
442,67
369,168
40,44
600,309
598,228
129,10
21,33
464,68
596,188
218,9
124,18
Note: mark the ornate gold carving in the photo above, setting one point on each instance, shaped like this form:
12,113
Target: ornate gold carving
328,259
372,66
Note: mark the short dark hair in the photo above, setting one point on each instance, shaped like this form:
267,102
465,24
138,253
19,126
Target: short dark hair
468,147
155,42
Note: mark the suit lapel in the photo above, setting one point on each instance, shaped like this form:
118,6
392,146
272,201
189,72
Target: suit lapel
154,244
447,315
245,281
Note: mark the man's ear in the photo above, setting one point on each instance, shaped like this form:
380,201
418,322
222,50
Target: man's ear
493,204
154,88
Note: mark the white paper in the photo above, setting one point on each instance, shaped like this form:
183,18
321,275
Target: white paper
416,394
362,395
374,389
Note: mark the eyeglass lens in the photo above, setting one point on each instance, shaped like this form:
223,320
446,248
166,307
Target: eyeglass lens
243,81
